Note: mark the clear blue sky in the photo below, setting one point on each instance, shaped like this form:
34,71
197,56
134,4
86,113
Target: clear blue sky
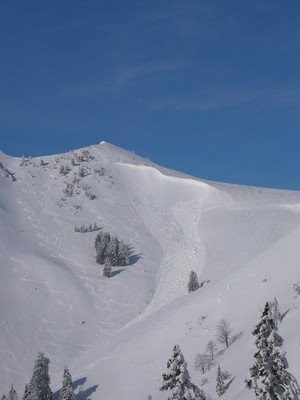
211,88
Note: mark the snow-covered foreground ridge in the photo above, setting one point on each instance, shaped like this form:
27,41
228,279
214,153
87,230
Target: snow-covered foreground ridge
116,334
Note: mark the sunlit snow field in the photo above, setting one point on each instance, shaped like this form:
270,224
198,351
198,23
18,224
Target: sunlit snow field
117,334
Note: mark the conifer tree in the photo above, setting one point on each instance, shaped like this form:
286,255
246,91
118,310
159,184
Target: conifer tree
39,383
193,282
107,269
12,394
26,394
177,379
112,251
3,397
268,375
220,387
67,392
101,242
123,253
275,312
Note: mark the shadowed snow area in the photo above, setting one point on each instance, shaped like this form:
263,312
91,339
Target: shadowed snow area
117,334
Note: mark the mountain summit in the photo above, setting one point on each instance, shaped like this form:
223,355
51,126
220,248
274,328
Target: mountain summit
116,334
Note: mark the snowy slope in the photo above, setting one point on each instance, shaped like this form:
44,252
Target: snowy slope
117,334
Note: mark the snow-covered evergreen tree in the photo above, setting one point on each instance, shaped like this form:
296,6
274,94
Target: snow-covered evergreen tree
275,312
4,397
26,394
193,282
268,375
177,379
123,253
64,169
12,394
111,249
39,384
67,392
220,386
82,172
101,242
107,269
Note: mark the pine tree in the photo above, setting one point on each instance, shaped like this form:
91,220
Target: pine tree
220,387
101,243
268,375
67,392
177,379
3,397
39,384
27,392
193,282
275,312
12,394
112,251
107,269
123,254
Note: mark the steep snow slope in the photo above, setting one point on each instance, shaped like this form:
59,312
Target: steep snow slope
118,333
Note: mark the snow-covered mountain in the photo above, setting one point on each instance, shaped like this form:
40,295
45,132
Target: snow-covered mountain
116,334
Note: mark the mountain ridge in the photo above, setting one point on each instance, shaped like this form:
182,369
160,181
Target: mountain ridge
53,296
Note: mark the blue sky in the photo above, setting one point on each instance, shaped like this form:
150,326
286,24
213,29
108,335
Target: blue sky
211,88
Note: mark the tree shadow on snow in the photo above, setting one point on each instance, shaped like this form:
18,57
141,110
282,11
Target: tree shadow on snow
117,272
134,258
236,337
85,393
285,313
78,382
232,340
229,383
221,352
80,392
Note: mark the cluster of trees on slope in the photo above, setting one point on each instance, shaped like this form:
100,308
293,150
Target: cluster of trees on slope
39,386
111,252
84,229
268,376
177,379
207,360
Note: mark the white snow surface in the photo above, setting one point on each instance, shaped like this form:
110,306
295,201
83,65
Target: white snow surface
117,334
